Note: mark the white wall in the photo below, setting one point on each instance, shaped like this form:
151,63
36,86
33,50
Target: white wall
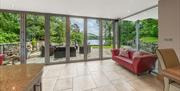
169,24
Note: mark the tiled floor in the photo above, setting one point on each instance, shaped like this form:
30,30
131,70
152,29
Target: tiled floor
96,76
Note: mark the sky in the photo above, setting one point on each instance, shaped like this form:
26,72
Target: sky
93,26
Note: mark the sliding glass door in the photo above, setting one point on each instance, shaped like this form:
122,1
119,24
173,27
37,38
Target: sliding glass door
107,28
57,49
9,38
76,39
69,39
35,38
93,38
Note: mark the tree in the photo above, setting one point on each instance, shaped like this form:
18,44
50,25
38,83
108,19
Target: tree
9,27
35,27
57,31
127,32
76,35
107,29
149,28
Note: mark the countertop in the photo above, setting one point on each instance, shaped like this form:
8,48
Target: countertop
19,77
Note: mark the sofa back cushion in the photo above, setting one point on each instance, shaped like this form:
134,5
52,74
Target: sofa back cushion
139,53
124,53
131,52
136,54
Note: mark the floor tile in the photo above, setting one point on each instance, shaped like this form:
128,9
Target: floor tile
48,84
83,83
63,84
113,75
123,85
96,76
100,79
68,90
52,74
105,88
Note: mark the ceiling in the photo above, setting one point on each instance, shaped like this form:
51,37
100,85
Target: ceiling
91,8
152,13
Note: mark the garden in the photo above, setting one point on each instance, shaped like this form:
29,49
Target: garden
148,34
35,33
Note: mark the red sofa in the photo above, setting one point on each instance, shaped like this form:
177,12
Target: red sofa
138,64
1,58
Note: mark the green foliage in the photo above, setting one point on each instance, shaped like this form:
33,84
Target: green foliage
34,42
148,31
107,32
35,27
149,28
76,35
9,27
148,34
8,37
127,32
149,39
57,31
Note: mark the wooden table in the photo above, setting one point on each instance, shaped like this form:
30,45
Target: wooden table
22,77
172,73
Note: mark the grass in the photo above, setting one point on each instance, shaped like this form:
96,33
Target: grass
149,39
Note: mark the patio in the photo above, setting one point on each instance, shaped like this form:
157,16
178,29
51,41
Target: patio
35,57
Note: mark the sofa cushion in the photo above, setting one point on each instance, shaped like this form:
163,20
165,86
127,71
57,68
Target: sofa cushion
131,52
124,52
137,54
124,59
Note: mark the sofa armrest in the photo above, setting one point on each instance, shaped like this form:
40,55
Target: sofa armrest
115,52
1,58
143,63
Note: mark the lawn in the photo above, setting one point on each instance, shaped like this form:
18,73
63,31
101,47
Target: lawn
149,39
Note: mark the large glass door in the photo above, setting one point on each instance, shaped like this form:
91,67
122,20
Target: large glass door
57,48
93,38
9,38
107,33
76,39
35,38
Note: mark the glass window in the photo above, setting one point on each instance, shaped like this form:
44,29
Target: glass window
93,34
77,39
127,34
107,38
57,48
147,31
9,38
35,35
